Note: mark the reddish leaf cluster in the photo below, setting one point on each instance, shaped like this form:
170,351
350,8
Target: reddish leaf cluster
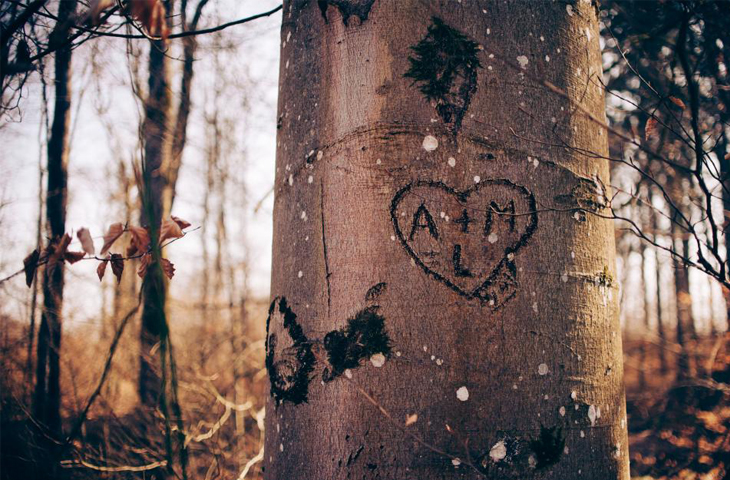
139,247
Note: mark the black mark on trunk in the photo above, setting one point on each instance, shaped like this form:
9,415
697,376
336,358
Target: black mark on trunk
348,9
445,68
423,213
364,336
289,361
548,447
459,269
375,291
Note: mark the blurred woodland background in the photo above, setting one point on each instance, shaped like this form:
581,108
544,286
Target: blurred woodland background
127,112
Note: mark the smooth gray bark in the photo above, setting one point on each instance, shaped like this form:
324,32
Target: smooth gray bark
443,302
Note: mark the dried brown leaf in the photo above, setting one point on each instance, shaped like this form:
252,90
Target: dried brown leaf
115,231
167,267
101,269
650,128
117,266
140,240
677,102
170,229
95,9
183,224
144,263
30,264
87,244
73,257
151,14
411,419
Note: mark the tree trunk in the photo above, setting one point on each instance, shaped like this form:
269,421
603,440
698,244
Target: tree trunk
443,296
47,400
685,319
646,332
661,332
157,146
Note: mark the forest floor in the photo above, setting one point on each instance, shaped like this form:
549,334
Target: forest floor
679,425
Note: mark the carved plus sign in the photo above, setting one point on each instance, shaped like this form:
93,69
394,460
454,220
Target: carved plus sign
464,220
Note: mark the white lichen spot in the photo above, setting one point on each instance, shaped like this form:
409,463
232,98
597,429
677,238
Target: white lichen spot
433,357
561,411
439,361
398,354
534,307
477,179
348,374
291,179
378,162
378,360
288,36
430,143
569,9
425,348
532,461
582,434
281,447
455,462
574,395
392,238
498,451
542,39
303,216
542,369
592,414
442,214
566,450
462,394
510,256
287,65
572,255
492,238
547,58
523,61
452,162
589,35
320,154
514,386
310,179
546,397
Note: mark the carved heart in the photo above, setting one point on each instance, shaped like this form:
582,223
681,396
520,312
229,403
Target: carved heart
467,239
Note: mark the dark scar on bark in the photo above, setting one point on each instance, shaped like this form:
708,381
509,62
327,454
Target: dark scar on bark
548,447
500,285
430,224
347,8
459,269
364,336
375,291
289,376
444,66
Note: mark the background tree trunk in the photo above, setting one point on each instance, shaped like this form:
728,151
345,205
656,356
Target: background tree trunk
47,400
157,150
434,254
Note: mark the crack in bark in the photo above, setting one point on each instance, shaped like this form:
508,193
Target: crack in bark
324,248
